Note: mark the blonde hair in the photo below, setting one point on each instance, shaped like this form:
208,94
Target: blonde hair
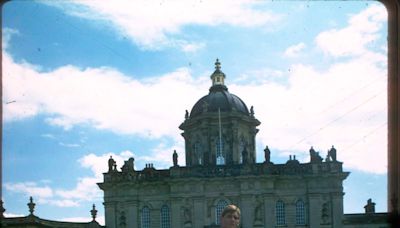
230,209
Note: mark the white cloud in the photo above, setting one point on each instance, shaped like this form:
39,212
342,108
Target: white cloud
49,136
40,194
7,34
85,190
294,51
161,155
12,215
344,106
69,144
99,164
64,203
151,24
191,47
30,189
353,40
74,96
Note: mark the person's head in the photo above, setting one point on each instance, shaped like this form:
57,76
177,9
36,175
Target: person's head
230,217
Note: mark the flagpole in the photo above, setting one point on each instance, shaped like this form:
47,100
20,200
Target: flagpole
220,134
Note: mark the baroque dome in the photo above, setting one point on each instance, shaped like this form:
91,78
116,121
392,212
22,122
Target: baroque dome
218,97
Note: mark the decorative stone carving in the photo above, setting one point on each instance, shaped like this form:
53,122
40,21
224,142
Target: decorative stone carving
128,166
314,156
332,153
93,212
267,155
31,205
175,158
111,164
325,213
122,219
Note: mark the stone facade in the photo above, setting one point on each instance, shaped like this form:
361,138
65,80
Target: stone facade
312,193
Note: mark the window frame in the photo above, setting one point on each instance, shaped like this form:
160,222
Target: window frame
165,217
280,215
145,221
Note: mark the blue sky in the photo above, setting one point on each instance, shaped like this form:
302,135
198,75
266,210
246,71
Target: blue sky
83,80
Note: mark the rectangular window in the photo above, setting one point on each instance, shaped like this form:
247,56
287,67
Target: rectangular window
280,213
165,218
145,218
219,149
300,213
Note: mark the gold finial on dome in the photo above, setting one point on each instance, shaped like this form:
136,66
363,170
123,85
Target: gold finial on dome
218,76
217,64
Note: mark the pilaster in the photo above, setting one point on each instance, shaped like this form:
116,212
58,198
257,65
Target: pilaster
199,219
337,209
132,215
314,214
246,211
110,210
175,213
269,211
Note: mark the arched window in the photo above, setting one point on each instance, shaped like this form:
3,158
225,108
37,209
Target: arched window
145,217
280,213
165,218
221,204
241,148
219,149
198,153
300,213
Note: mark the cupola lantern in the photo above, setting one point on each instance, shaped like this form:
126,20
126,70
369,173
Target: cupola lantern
218,76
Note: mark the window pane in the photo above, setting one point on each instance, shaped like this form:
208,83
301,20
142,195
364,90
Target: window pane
218,210
219,155
280,213
165,219
145,219
300,213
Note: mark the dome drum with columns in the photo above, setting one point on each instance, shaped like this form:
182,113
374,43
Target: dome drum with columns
220,130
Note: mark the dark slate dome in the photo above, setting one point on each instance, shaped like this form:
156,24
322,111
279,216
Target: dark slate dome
219,97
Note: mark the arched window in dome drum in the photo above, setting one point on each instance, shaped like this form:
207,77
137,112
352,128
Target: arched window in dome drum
221,204
198,155
241,148
220,159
